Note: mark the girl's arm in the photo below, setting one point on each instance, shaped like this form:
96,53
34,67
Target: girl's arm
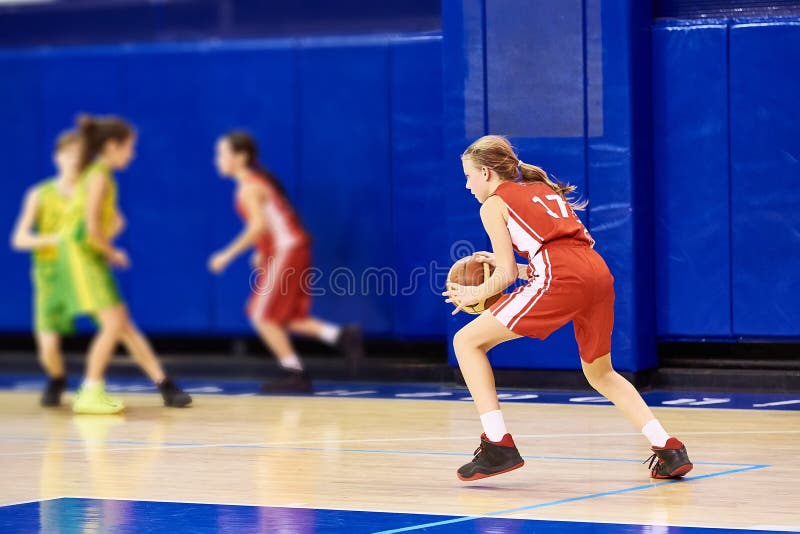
96,188
252,202
24,238
488,257
493,214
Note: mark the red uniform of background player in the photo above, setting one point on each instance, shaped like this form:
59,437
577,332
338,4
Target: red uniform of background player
524,210
282,255
280,300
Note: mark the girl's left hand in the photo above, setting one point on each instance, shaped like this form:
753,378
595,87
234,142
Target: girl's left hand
218,262
462,296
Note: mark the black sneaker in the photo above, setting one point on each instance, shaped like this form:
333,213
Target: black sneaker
492,459
351,344
51,396
174,396
290,382
669,461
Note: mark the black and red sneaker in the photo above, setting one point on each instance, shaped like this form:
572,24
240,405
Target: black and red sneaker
492,459
669,461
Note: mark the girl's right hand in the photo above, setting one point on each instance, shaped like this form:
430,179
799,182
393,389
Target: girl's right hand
485,257
119,258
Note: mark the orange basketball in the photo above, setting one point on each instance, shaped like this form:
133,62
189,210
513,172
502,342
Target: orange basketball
468,272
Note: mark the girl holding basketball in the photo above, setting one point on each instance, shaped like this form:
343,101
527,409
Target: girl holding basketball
523,210
38,230
280,300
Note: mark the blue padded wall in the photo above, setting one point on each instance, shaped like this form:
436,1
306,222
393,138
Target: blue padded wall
337,119
345,202
417,185
464,120
169,252
690,133
765,178
619,175
25,163
534,68
265,105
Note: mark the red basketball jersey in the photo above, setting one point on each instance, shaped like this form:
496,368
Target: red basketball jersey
284,229
537,215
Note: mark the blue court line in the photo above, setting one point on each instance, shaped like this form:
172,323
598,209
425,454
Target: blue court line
356,451
569,500
461,454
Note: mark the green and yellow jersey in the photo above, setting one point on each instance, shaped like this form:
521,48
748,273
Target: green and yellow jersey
91,284
50,294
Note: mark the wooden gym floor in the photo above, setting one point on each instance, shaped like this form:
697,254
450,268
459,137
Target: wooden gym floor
340,463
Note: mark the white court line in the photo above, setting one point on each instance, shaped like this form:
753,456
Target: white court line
31,501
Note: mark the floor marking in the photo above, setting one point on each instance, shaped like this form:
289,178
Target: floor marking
589,399
424,394
707,401
379,440
779,403
279,447
344,392
31,501
123,449
569,500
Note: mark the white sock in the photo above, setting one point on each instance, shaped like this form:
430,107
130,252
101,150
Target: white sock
494,426
330,333
655,433
88,383
291,362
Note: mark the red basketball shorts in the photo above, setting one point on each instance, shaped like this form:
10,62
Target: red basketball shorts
280,289
571,283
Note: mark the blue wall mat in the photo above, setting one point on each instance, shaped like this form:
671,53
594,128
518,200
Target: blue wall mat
346,178
464,121
534,68
690,140
170,236
78,80
619,186
420,241
324,112
23,166
765,178
252,86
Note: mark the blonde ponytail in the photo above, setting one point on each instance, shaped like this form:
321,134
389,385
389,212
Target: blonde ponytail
496,153
531,174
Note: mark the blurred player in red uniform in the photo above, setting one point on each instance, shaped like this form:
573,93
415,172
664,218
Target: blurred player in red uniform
523,210
280,299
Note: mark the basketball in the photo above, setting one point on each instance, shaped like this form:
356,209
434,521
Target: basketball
469,272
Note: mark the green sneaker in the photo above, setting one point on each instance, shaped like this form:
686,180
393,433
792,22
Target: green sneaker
96,401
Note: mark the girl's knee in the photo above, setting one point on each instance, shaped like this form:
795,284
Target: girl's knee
462,339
